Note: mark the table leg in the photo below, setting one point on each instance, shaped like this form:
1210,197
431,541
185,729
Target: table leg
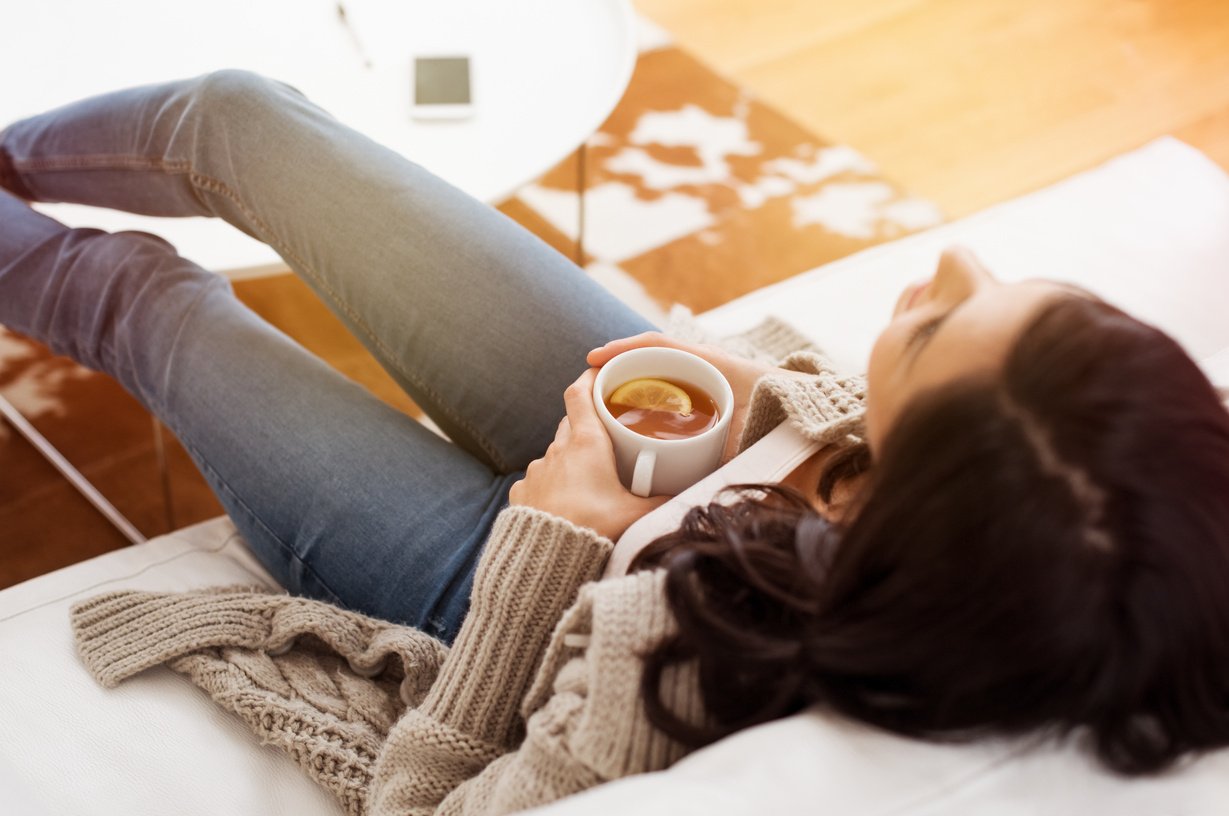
582,160
57,460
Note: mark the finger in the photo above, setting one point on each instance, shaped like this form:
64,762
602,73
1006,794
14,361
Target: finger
563,431
600,356
578,399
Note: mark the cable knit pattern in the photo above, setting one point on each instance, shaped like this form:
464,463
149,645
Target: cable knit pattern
539,696
321,683
326,685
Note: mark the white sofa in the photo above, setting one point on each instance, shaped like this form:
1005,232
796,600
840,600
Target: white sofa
1147,231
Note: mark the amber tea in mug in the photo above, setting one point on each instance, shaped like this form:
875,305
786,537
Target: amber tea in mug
659,424
663,455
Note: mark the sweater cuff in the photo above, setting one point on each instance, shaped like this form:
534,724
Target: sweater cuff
823,406
806,362
120,634
530,572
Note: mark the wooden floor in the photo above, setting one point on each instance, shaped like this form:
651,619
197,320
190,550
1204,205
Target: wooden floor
971,102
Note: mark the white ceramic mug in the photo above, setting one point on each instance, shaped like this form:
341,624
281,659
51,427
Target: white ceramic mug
650,466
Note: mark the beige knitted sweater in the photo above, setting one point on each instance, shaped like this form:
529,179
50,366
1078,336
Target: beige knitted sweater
538,697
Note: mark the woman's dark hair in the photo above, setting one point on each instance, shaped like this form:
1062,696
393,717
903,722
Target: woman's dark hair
1044,548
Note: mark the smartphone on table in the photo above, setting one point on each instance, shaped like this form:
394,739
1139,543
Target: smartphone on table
442,87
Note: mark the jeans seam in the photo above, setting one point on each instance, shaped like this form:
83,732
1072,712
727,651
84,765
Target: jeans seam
203,183
98,161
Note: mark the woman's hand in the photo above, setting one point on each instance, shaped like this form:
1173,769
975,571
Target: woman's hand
741,373
576,478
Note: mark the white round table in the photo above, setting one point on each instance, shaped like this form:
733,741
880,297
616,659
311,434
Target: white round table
546,73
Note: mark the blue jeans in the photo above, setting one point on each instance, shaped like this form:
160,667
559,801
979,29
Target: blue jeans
340,496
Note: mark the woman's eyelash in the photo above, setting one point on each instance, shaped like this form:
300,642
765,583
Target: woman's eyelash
924,329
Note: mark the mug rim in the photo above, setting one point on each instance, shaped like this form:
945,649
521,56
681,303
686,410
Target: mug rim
612,423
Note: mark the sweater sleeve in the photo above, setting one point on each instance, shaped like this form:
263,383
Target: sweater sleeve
586,723
530,572
328,701
825,406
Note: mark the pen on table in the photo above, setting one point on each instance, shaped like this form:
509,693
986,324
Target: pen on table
358,44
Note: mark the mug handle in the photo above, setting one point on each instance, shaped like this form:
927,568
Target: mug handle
642,473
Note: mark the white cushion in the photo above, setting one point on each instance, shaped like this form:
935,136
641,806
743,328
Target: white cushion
154,744
1145,231
813,763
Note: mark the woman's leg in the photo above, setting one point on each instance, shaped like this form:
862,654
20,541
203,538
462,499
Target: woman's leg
480,322
342,497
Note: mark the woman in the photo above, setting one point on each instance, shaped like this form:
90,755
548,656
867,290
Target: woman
1034,535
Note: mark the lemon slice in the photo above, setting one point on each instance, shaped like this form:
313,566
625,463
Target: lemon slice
652,395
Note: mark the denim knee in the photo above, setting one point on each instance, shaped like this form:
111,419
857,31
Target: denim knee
118,295
230,90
